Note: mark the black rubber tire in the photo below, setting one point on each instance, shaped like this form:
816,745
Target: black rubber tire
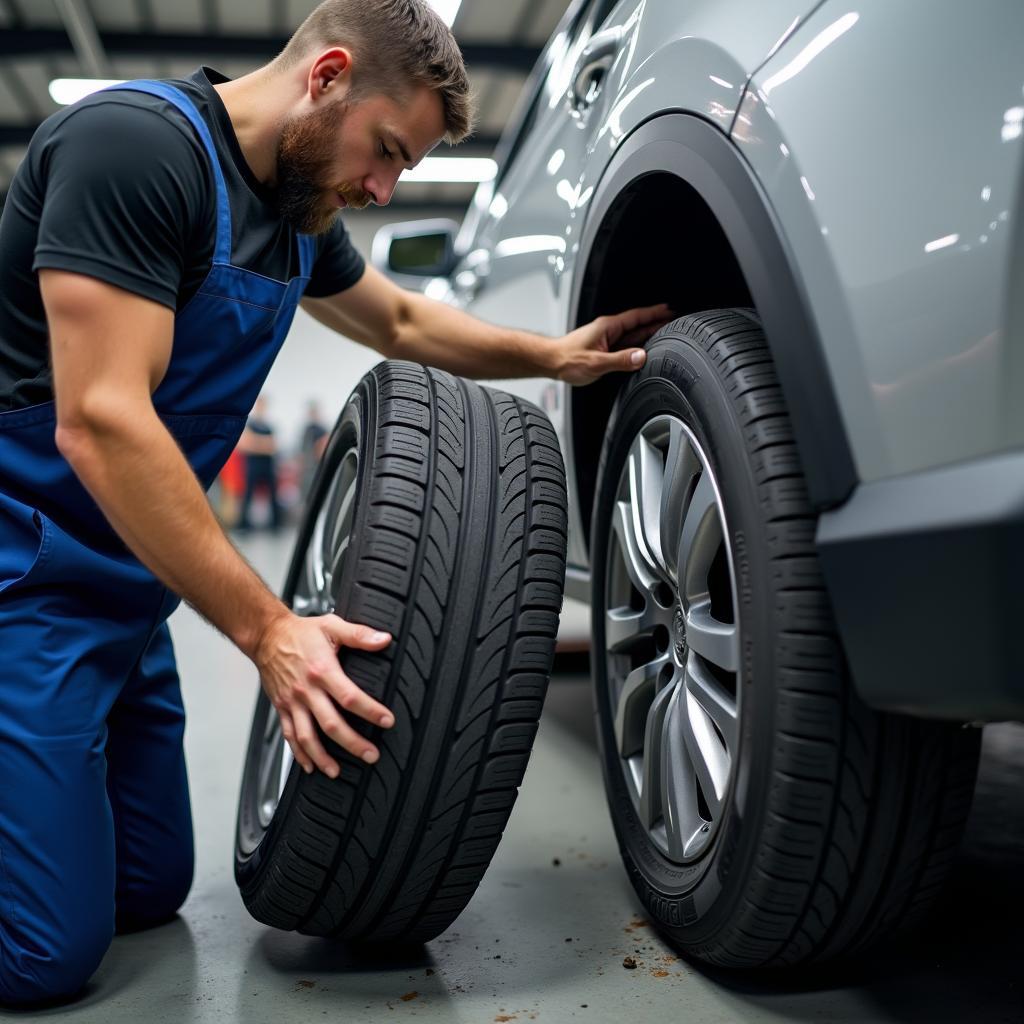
840,823
458,548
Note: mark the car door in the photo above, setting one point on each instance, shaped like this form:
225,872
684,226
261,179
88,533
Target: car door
516,243
516,234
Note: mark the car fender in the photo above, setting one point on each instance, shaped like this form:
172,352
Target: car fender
703,156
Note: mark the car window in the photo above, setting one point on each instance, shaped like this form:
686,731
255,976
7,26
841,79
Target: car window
601,11
522,132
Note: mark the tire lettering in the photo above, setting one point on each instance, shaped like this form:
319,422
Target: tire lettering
678,913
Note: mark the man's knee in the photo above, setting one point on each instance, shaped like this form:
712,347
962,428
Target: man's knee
48,968
144,907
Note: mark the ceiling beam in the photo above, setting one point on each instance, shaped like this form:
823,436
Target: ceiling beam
85,40
15,18
26,42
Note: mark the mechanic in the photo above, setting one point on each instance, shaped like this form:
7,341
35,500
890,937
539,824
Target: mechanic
154,246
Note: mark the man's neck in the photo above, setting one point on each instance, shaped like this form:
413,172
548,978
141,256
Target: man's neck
257,106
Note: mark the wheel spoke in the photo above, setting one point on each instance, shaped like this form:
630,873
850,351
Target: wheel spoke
683,823
719,705
651,796
325,527
268,787
634,704
708,706
333,575
624,626
287,760
699,539
307,597
341,527
642,573
681,467
646,471
716,641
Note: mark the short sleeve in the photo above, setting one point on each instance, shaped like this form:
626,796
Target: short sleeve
338,264
126,189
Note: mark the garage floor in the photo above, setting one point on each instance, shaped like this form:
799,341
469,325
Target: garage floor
545,936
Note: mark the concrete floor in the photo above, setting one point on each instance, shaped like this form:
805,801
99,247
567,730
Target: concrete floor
538,942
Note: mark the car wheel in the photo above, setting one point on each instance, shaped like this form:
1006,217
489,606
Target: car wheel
764,814
438,513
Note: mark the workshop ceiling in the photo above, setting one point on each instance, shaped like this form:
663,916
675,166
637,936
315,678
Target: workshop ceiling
158,39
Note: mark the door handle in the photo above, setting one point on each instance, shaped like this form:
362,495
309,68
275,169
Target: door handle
467,284
470,279
593,65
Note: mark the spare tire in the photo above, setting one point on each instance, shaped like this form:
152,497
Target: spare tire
438,513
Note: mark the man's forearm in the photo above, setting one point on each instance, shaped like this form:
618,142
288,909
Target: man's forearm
138,476
440,335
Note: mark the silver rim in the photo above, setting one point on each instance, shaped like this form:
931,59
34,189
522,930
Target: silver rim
314,595
672,639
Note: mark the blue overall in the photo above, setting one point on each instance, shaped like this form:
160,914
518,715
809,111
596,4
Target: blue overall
95,821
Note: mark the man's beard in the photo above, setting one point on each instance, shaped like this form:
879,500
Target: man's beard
304,156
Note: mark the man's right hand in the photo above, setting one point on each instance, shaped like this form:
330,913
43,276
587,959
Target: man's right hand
298,661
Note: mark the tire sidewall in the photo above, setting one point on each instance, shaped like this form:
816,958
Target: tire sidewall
693,901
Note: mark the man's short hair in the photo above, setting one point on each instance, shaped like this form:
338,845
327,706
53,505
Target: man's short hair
398,44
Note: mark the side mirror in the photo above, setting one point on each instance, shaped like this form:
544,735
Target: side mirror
416,249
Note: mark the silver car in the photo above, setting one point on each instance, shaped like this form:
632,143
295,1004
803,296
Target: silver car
800,527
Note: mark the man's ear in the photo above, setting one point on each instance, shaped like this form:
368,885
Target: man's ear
330,75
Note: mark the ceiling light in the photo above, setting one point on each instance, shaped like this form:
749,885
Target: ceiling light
66,91
452,169
447,9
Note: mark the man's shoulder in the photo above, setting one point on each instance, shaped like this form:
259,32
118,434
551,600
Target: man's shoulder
119,122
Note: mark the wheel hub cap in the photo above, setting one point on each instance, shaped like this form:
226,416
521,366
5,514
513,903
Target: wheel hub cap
679,635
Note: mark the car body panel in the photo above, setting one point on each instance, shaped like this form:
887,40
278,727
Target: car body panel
524,229
895,167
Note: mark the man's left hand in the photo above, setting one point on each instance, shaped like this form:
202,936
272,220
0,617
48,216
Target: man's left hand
608,344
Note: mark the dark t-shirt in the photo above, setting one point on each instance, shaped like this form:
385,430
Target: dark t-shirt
311,435
120,188
259,460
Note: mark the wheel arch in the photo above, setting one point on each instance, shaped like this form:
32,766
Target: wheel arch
685,172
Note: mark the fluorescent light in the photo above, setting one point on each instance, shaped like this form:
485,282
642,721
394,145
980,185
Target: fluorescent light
941,243
447,9
452,169
66,91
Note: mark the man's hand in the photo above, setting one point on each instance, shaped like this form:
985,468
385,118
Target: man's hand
298,661
605,344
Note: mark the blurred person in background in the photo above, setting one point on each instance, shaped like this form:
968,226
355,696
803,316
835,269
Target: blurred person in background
311,446
259,446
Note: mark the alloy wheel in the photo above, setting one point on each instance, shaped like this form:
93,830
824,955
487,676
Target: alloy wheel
672,639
